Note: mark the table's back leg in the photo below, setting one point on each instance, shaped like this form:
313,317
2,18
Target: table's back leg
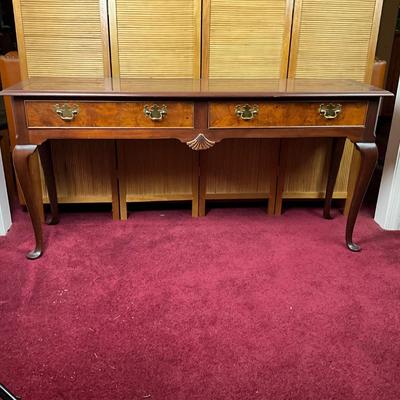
369,158
21,155
336,157
48,171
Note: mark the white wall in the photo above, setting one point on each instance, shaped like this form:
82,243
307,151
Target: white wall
387,213
5,215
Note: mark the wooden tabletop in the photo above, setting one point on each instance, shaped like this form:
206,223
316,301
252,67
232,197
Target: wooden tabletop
192,88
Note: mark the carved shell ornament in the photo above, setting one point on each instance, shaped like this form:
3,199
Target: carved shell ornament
200,142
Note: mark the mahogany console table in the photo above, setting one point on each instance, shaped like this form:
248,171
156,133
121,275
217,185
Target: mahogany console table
199,113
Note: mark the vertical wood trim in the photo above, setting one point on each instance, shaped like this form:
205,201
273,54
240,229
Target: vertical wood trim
114,181
274,178
197,39
295,39
195,183
105,38
373,40
123,208
203,182
206,18
201,115
287,39
201,122
280,184
113,26
19,27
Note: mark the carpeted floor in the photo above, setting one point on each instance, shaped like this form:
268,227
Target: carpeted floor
236,306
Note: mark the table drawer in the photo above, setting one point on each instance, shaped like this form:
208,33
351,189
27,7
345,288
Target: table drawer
113,114
264,114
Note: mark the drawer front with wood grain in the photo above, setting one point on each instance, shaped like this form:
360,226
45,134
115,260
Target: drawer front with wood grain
113,114
265,114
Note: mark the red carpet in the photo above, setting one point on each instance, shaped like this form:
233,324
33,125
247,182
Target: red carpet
234,306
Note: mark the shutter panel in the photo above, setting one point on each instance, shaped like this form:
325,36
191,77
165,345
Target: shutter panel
62,38
156,39
246,39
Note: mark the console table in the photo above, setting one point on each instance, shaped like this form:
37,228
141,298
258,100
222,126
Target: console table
199,113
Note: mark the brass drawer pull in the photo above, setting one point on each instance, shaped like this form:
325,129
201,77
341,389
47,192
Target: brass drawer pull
66,112
155,112
330,111
246,112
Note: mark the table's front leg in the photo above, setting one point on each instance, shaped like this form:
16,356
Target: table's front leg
336,157
369,158
48,171
21,155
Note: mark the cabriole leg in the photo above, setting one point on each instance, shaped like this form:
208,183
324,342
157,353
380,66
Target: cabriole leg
21,155
369,158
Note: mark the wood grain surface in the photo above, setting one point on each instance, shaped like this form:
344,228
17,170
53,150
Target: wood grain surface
108,114
278,114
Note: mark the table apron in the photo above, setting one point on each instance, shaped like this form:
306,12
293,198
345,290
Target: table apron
40,135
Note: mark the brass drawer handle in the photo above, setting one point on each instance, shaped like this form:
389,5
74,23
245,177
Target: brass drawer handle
66,112
246,112
155,112
330,111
